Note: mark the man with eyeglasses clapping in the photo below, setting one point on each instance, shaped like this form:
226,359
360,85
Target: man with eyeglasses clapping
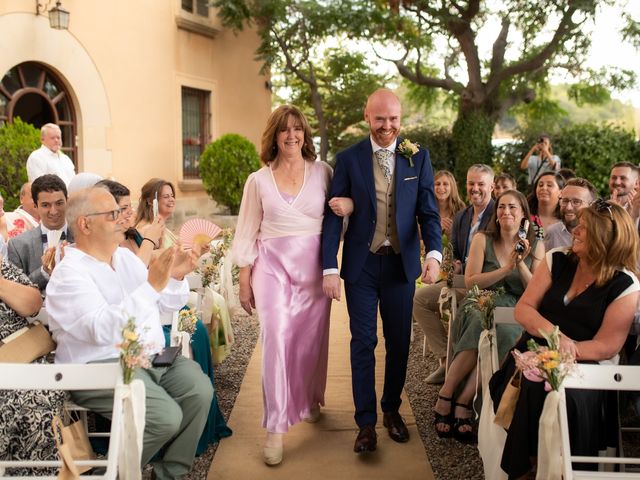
577,193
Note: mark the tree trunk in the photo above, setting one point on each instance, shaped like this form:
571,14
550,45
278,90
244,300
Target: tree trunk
316,100
471,136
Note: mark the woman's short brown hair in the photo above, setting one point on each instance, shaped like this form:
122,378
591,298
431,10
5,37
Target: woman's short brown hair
612,239
147,194
276,123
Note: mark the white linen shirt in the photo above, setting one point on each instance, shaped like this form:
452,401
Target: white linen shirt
89,302
44,161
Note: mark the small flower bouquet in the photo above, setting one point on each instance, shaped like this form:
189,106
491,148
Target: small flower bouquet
447,265
548,364
187,319
210,269
483,301
133,354
408,149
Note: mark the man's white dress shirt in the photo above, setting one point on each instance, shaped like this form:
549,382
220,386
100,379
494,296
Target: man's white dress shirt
89,303
44,161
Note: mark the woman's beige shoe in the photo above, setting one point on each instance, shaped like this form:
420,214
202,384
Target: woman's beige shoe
314,415
273,450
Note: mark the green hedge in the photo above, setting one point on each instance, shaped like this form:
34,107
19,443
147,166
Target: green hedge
17,141
224,167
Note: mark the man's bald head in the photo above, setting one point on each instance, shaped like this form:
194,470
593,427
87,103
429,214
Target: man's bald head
383,113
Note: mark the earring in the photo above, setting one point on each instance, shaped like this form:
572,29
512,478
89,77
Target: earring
497,221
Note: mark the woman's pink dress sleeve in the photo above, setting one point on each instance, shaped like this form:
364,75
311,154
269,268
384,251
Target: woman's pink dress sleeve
245,250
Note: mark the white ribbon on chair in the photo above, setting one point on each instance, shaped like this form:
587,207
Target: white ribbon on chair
491,437
130,451
226,282
549,440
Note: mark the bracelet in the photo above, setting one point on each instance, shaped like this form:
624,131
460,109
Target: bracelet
152,242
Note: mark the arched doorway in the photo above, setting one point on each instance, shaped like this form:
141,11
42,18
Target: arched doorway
36,94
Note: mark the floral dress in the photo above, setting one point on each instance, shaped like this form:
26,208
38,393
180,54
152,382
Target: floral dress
26,415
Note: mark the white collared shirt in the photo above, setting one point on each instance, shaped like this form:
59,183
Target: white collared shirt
43,161
89,302
45,231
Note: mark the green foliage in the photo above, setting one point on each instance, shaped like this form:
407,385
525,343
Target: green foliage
17,141
344,81
437,141
471,141
224,167
591,149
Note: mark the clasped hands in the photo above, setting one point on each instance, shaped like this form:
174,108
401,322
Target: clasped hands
174,262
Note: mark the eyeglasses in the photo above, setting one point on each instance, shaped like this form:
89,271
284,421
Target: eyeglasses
576,202
602,206
112,215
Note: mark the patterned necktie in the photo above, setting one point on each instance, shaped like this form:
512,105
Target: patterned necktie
384,160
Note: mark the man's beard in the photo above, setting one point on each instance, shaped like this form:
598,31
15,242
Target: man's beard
571,224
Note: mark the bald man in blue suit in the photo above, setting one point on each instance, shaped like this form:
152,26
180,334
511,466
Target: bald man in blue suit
394,204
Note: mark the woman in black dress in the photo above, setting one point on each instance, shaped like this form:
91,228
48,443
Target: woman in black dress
590,291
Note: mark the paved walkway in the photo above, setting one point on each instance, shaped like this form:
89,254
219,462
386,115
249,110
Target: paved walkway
323,450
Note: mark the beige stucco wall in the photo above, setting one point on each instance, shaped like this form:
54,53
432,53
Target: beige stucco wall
125,63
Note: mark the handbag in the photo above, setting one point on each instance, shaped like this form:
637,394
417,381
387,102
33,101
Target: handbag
73,444
26,345
508,402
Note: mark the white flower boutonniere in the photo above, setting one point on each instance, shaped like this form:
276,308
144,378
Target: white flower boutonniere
408,149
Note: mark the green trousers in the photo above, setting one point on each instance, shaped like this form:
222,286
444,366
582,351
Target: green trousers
178,399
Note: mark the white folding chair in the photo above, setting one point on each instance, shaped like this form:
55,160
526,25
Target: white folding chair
124,443
596,377
42,316
491,437
176,337
458,283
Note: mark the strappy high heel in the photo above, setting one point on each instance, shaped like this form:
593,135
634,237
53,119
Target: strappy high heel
467,436
441,419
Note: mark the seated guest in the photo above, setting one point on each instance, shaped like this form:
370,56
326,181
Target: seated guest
567,174
499,258
449,202
544,200
133,240
577,193
591,293
25,217
83,180
30,251
25,423
624,183
93,292
502,183
465,225
216,427
165,193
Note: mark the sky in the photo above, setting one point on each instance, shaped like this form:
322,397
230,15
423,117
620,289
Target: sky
608,49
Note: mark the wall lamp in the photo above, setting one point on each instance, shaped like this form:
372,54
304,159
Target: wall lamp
58,16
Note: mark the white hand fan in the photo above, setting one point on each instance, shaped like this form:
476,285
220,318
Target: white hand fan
53,238
198,231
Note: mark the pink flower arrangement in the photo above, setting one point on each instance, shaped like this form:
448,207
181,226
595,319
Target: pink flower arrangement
545,364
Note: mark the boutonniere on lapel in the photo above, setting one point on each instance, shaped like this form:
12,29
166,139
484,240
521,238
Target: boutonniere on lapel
408,149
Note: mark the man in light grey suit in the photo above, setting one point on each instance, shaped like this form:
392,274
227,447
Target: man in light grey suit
30,251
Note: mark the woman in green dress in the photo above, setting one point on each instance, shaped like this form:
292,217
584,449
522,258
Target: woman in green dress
499,258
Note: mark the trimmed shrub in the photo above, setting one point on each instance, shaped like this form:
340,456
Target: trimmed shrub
17,141
591,149
224,167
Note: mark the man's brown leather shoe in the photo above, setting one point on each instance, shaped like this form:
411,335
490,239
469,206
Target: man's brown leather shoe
367,440
396,427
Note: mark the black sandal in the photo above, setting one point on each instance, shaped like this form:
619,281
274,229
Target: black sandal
467,436
444,420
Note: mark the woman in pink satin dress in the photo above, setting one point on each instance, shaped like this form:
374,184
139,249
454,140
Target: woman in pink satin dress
277,247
